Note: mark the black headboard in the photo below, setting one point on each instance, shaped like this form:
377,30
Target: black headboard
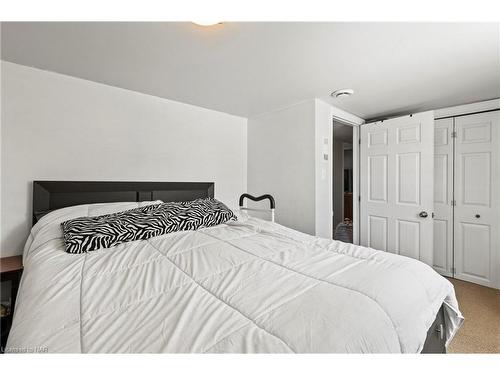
51,195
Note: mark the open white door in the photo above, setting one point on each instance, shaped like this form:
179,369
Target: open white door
396,179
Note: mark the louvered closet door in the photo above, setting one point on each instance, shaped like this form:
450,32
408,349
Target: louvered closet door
397,166
443,197
477,195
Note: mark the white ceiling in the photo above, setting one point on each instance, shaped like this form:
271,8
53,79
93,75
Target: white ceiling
251,68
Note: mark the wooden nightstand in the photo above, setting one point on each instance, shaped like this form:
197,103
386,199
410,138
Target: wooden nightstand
11,269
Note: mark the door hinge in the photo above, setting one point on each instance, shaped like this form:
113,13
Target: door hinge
453,202
453,134
359,198
453,270
359,140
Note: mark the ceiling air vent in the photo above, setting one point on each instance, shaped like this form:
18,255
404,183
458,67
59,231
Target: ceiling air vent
343,93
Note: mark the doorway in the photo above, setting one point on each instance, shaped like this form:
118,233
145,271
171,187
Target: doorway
343,181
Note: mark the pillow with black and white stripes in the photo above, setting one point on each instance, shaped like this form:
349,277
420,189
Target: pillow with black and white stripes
86,234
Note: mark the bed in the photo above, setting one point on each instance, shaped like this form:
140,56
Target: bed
246,286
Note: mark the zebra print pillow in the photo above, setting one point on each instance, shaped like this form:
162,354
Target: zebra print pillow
86,234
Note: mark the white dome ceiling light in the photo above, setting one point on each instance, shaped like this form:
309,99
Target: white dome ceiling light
206,22
342,93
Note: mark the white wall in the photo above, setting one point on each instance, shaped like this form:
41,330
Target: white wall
286,151
281,162
323,125
63,128
285,159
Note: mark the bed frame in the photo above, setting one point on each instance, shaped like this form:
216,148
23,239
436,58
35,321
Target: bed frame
436,335
52,195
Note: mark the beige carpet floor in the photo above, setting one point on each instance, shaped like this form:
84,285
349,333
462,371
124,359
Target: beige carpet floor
480,307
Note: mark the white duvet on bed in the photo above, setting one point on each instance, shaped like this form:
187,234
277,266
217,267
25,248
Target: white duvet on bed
247,286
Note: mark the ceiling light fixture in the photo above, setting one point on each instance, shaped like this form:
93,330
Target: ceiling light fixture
206,22
342,93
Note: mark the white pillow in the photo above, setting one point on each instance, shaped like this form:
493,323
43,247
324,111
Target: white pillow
49,226
94,209
242,215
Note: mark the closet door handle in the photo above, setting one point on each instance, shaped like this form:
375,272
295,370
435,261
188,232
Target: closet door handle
423,214
477,216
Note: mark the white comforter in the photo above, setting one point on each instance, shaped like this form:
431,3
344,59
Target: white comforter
248,286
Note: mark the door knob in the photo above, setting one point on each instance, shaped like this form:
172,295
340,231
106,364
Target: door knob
477,216
423,214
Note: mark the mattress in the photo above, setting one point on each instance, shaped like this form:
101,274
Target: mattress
247,286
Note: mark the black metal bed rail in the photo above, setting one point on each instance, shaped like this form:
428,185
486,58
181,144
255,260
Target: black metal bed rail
272,203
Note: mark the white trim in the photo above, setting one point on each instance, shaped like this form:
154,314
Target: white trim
467,108
347,118
356,130
344,116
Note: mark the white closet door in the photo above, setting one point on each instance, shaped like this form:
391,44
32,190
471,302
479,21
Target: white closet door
477,194
397,173
443,196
